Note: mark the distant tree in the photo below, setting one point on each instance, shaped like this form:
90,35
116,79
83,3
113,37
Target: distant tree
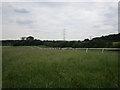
86,40
76,44
23,38
30,38
98,43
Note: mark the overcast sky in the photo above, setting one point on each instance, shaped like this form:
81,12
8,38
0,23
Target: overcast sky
47,20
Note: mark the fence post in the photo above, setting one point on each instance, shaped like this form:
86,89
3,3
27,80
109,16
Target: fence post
102,50
86,50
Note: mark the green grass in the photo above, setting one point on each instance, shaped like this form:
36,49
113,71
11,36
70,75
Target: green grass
26,67
116,43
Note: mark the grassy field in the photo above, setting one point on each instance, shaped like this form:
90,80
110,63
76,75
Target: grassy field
31,67
116,44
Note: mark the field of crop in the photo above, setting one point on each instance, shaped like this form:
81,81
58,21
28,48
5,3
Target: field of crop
31,67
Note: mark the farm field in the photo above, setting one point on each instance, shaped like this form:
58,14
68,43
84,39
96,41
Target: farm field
32,67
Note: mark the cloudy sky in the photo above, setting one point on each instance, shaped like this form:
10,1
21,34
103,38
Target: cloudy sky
47,20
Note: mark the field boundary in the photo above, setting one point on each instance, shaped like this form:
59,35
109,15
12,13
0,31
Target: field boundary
84,48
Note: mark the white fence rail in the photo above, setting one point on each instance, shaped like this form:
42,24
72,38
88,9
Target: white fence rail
87,49
79,48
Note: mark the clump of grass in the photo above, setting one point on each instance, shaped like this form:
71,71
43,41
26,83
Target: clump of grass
25,67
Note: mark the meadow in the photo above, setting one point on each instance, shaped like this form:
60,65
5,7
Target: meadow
32,67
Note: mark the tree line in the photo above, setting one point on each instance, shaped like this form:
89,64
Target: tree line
110,41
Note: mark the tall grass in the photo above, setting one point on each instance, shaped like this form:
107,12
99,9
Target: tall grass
26,67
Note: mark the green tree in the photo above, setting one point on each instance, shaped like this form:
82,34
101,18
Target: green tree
30,38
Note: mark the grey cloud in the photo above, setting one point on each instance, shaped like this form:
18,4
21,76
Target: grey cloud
80,19
51,4
21,11
24,22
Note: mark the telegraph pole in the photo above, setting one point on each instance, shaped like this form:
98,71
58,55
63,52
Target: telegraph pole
90,37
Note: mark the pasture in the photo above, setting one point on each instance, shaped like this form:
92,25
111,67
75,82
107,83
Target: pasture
33,67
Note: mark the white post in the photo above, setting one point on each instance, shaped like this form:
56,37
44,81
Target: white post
86,50
102,50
